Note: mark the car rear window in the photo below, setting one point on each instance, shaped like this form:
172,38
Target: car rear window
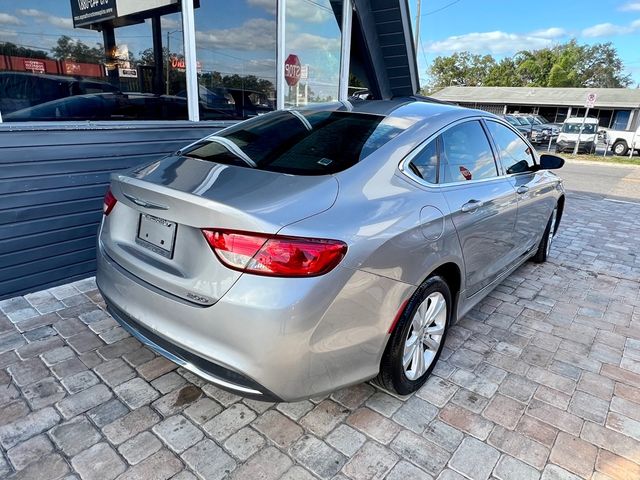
299,142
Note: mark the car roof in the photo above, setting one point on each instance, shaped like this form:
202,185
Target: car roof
581,119
417,110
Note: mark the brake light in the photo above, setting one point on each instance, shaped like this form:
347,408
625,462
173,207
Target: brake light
273,255
109,202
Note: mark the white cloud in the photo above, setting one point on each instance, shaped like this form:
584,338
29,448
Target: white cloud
496,42
631,7
6,19
253,34
606,30
553,32
308,41
299,9
169,22
635,24
41,17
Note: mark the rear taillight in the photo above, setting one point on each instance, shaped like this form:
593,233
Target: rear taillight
109,202
274,255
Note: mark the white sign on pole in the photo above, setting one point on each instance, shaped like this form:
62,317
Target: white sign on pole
590,101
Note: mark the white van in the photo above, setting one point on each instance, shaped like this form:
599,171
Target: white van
571,130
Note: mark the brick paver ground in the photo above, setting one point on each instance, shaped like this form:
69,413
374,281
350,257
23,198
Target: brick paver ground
541,380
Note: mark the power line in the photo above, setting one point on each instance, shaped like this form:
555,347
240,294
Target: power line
75,36
444,7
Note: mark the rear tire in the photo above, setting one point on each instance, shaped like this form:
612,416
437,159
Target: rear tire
545,244
620,148
418,337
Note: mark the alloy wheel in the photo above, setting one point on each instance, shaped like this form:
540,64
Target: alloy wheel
424,336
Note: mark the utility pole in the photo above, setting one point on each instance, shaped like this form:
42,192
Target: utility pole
168,59
417,41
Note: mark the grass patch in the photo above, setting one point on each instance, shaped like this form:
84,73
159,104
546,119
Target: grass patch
599,158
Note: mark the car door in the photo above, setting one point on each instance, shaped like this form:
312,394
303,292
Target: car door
532,188
482,202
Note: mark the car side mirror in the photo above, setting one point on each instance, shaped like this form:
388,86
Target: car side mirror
550,162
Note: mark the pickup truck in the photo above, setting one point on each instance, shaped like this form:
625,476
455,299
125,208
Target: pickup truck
622,140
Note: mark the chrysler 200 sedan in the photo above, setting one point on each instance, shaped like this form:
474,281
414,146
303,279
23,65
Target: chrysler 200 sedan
306,250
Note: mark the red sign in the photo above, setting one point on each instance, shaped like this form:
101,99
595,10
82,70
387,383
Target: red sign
36,66
178,63
292,70
465,172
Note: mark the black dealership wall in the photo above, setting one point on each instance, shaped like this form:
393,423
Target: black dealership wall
52,180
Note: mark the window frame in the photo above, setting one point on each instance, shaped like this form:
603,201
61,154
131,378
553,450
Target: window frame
406,170
496,150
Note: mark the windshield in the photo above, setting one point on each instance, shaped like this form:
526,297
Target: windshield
512,121
540,120
300,142
589,128
523,121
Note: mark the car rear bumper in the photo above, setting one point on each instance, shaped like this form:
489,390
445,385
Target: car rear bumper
267,338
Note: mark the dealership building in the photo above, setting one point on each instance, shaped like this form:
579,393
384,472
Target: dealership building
88,88
615,108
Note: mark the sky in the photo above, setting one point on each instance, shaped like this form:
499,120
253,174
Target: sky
504,27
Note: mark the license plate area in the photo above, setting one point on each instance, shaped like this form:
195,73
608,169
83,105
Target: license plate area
156,234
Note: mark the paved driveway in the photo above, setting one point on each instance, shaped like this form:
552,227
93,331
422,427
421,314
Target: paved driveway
541,380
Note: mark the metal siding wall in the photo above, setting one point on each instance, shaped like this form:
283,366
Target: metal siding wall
51,187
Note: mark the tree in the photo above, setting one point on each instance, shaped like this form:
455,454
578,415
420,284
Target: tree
602,67
462,68
504,74
11,49
69,49
248,82
565,65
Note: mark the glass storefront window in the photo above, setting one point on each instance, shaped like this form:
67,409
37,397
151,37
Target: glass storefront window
51,71
236,58
312,51
73,60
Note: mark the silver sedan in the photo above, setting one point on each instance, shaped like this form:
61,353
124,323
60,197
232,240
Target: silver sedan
307,250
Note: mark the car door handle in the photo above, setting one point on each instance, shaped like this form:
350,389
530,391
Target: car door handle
472,206
522,189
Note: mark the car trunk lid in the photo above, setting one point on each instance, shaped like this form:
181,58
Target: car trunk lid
155,230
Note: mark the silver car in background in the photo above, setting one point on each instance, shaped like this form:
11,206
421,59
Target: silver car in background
307,250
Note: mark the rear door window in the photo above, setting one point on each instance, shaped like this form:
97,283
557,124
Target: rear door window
466,154
299,142
516,156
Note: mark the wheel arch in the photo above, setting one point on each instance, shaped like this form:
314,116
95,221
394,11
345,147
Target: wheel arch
561,202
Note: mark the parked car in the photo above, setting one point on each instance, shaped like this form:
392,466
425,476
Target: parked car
20,90
571,131
622,140
522,126
235,102
302,251
541,129
118,106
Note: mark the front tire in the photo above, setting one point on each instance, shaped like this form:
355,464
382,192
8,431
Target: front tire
620,148
417,340
547,239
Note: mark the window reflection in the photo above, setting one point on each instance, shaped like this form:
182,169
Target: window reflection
466,153
52,71
236,52
313,36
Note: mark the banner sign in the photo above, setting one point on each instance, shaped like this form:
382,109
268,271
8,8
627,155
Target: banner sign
87,12
36,66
